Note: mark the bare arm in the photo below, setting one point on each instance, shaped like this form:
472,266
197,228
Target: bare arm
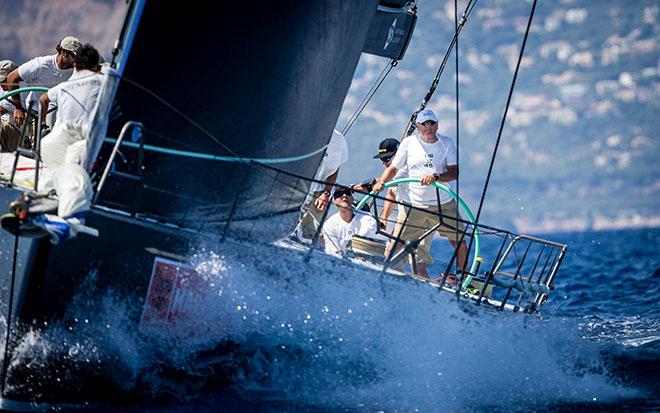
450,175
321,202
387,176
45,100
12,84
388,207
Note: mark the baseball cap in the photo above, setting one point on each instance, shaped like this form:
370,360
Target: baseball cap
387,148
6,67
426,114
70,44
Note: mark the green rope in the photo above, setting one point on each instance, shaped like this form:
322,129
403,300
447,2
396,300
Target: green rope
444,188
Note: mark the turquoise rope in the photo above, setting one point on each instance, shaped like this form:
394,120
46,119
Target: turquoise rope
477,244
206,156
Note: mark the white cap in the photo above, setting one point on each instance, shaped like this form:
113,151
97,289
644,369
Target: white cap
70,44
6,67
426,114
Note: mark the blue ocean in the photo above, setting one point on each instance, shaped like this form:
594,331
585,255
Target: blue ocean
278,331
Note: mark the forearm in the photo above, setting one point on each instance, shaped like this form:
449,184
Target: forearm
450,175
45,101
388,207
388,174
330,181
12,84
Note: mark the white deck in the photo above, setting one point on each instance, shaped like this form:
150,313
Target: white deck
24,177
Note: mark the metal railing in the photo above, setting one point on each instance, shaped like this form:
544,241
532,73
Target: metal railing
522,268
136,178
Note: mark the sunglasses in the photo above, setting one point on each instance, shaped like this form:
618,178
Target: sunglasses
386,160
339,194
429,122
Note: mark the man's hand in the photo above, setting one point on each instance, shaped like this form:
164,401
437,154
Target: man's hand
322,201
378,185
19,116
427,180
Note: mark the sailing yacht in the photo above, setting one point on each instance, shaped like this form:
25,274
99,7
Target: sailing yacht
210,124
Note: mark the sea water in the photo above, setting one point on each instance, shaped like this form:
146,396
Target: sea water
280,331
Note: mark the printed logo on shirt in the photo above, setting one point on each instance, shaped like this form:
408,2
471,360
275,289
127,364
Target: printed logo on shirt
428,160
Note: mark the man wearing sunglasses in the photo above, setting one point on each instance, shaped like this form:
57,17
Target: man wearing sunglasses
430,157
319,195
399,193
345,223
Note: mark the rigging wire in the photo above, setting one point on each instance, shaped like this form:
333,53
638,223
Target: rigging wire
506,109
180,113
370,94
436,80
458,180
8,344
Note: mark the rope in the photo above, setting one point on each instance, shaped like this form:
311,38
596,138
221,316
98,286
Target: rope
207,156
411,123
5,359
458,159
183,115
370,94
506,109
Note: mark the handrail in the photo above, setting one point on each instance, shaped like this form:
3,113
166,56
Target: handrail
23,89
36,151
113,154
553,271
475,260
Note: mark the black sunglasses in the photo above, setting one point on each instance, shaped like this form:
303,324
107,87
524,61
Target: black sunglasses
429,122
342,192
386,159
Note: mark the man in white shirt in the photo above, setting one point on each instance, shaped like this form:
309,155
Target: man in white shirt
399,193
428,156
9,133
340,228
65,149
319,197
44,71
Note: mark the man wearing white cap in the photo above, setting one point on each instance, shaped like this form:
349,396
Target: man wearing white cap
46,71
430,157
9,133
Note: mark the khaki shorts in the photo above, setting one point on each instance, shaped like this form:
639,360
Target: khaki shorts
419,221
424,248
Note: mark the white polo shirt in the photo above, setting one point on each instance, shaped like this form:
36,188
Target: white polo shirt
423,159
40,71
338,232
76,98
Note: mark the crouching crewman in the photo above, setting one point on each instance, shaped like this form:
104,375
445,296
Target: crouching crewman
66,148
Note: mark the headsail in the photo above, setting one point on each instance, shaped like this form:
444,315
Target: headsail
214,80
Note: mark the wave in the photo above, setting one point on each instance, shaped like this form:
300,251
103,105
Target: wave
285,328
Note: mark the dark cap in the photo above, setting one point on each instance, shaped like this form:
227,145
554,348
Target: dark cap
387,148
